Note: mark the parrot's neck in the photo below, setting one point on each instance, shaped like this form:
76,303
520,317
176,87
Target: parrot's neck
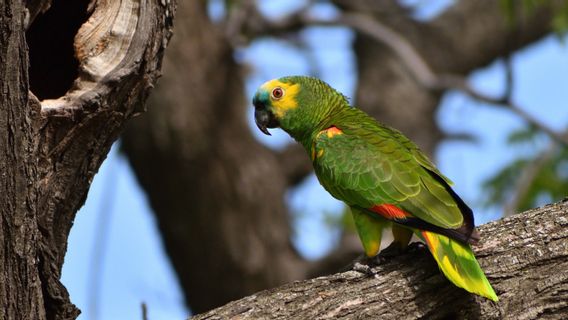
329,116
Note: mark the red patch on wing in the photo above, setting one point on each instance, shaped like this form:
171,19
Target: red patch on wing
332,131
390,211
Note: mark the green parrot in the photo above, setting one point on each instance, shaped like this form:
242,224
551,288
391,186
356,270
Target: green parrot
378,172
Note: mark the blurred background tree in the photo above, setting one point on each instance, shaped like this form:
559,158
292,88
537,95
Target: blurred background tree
479,85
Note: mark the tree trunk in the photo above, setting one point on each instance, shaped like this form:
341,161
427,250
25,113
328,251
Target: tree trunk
525,257
92,76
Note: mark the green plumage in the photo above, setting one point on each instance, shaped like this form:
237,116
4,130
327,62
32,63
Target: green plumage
377,171
371,164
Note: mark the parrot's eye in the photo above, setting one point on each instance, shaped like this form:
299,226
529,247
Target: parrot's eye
277,93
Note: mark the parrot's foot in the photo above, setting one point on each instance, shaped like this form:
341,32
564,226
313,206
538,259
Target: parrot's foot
394,249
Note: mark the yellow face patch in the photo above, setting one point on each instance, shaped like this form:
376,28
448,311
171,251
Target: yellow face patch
287,101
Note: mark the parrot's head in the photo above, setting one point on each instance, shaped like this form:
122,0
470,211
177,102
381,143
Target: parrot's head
297,104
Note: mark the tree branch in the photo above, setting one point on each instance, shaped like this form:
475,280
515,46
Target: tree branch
509,79
524,256
423,74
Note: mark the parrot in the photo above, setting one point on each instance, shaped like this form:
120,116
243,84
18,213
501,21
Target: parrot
380,174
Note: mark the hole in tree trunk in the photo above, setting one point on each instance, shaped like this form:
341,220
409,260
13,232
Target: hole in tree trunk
53,66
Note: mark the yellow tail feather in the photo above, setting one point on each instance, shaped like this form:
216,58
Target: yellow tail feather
457,262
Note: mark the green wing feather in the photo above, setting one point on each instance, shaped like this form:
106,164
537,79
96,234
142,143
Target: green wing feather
370,164
457,262
418,155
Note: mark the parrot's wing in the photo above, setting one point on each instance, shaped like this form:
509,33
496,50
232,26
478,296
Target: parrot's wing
418,155
371,171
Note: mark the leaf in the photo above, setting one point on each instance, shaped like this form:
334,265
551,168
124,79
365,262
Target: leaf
559,21
523,135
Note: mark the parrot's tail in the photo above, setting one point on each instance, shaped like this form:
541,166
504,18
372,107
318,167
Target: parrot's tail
457,262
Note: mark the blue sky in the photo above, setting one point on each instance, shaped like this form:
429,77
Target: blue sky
117,219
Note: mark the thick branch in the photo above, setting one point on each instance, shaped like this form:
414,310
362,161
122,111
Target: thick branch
524,256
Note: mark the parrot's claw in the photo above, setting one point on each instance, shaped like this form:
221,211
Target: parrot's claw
395,249
391,251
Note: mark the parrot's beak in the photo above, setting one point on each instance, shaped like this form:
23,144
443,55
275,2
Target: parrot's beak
264,118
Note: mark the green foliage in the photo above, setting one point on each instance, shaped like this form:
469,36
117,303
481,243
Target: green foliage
550,174
527,7
560,20
523,135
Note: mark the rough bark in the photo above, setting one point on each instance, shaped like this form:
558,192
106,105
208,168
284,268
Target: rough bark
525,257
219,196
20,287
50,149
